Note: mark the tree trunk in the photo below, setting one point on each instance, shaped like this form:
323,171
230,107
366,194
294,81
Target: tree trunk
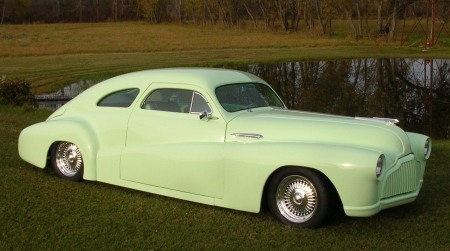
379,18
265,14
114,10
319,16
80,3
222,14
58,10
393,22
211,18
97,10
296,15
358,11
178,2
3,11
281,8
255,23
349,14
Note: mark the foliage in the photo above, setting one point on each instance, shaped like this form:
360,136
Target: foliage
315,16
15,91
39,211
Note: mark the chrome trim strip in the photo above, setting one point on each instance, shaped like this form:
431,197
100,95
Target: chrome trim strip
192,102
389,121
247,135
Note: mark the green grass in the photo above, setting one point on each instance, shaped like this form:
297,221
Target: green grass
51,56
39,211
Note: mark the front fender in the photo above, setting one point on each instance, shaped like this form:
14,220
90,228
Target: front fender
36,140
248,167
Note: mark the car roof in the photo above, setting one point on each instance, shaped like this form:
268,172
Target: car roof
205,78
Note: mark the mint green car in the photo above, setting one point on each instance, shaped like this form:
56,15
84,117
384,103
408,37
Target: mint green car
225,138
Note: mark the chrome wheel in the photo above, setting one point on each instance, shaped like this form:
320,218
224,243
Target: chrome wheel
67,160
299,197
296,198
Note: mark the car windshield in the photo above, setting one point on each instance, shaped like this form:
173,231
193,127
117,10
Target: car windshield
237,97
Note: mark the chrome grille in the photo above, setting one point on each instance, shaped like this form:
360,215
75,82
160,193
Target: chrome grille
403,180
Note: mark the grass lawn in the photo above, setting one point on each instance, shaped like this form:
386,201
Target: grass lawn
39,211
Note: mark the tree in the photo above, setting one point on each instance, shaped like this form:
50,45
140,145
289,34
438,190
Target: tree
267,7
114,9
80,6
4,5
380,27
97,10
153,10
393,20
253,16
21,10
289,13
325,11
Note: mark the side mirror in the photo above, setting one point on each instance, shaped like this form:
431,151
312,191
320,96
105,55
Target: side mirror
204,114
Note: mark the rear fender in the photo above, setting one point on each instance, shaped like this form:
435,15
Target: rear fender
36,140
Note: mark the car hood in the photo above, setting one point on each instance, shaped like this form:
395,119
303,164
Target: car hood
278,125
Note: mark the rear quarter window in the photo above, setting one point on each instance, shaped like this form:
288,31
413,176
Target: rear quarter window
123,98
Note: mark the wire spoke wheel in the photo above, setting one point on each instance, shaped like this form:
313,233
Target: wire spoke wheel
67,160
296,198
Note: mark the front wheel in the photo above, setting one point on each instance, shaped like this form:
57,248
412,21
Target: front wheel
67,161
298,197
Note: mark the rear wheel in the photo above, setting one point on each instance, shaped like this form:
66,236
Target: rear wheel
298,197
67,161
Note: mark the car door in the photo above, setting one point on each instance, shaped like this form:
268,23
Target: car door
169,146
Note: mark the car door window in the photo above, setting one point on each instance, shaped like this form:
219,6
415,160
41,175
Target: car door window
176,100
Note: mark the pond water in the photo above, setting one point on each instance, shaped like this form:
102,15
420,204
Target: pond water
415,91
53,101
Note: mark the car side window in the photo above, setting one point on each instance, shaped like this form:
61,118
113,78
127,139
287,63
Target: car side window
199,104
176,100
123,98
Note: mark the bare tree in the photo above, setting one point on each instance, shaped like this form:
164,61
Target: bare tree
5,2
253,17
360,20
393,21
97,10
114,9
58,9
289,10
178,10
266,6
210,13
379,15
80,7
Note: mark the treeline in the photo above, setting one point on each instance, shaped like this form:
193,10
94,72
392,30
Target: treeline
287,15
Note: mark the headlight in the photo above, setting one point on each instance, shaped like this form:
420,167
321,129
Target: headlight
426,148
379,167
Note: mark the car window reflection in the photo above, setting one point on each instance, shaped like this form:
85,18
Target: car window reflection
237,97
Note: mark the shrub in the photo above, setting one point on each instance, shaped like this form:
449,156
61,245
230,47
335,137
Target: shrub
15,91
